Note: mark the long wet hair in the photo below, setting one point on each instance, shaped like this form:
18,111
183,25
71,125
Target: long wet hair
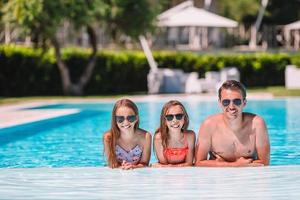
163,129
115,131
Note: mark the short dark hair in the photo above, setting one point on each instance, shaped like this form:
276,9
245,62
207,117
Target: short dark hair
233,85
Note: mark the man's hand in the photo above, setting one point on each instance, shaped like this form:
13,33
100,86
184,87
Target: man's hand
218,157
248,162
244,161
240,162
256,163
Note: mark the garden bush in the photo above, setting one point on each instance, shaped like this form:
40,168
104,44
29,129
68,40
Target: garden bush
27,71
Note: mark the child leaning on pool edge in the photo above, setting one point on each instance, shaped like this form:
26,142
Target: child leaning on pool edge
126,146
173,143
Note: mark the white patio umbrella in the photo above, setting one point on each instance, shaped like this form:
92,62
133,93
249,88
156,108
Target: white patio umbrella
293,26
195,17
186,15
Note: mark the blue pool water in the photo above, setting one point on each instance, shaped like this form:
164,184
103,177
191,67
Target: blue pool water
76,140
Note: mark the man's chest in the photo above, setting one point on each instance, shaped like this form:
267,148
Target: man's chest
231,148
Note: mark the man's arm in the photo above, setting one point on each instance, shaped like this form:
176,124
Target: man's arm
203,145
262,141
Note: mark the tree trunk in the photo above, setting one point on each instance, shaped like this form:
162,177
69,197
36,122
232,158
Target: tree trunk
63,69
255,28
88,72
7,33
70,88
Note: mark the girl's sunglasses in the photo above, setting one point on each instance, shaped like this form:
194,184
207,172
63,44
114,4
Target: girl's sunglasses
130,118
171,117
226,102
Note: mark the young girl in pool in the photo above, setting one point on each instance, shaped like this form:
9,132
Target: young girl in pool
173,143
126,146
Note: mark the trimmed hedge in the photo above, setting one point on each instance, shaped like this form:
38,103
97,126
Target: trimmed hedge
27,71
260,69
24,72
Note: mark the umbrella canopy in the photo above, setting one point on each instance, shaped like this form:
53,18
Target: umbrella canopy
293,26
194,17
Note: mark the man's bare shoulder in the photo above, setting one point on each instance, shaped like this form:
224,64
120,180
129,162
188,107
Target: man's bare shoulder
213,119
259,123
255,119
211,124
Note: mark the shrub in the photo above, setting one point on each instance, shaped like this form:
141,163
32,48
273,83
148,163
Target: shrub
27,71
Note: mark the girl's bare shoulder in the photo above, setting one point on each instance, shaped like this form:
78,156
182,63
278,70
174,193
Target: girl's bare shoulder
143,134
107,136
190,134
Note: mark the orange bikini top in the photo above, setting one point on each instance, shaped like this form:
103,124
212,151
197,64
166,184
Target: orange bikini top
177,155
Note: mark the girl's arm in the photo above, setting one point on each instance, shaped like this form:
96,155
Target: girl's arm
159,150
191,137
146,150
106,141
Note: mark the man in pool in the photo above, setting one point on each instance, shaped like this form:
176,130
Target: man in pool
233,138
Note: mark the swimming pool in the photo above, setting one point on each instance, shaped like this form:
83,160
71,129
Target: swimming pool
76,140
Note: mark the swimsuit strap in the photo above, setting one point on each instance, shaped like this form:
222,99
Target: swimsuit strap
186,144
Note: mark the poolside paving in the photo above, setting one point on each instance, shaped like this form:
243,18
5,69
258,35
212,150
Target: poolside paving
21,113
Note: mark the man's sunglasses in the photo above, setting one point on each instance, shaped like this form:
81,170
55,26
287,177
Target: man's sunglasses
171,117
130,118
226,102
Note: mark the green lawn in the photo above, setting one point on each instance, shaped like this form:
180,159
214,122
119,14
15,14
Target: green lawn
277,91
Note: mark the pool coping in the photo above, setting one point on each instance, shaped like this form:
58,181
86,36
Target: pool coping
272,182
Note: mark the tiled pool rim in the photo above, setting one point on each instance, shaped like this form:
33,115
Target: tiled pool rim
273,182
